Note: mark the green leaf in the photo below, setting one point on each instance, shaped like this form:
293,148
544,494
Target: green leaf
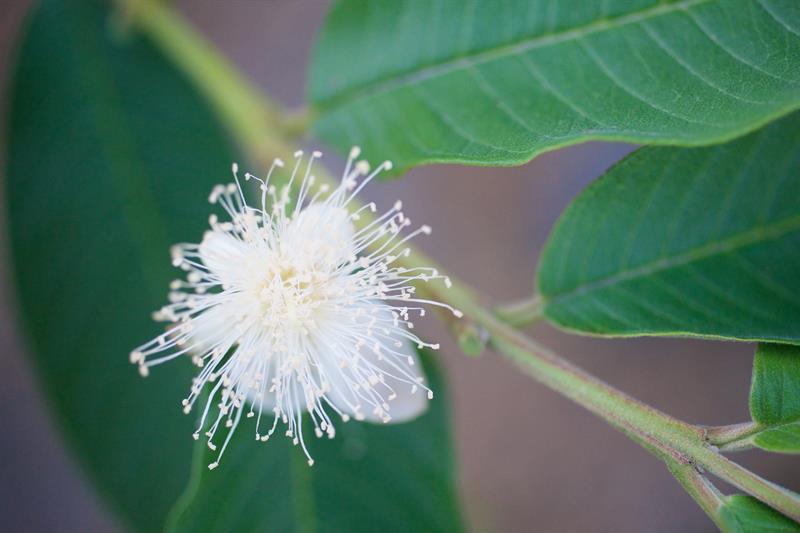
775,398
369,478
691,242
496,83
745,514
111,156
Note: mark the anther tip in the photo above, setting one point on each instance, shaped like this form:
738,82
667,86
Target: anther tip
355,151
362,166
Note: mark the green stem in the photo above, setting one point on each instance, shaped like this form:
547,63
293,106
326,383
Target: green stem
707,496
663,435
521,313
257,126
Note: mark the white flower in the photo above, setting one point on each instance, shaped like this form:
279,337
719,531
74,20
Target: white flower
288,308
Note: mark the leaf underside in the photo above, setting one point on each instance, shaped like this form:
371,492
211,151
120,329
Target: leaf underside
684,241
496,83
745,514
775,398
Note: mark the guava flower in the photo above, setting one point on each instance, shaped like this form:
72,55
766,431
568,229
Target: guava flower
289,308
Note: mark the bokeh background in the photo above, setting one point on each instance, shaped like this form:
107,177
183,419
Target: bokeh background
529,459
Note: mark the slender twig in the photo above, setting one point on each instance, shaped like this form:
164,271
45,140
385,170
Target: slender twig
258,129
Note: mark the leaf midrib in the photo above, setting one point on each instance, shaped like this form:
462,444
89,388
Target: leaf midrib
382,84
791,421
730,244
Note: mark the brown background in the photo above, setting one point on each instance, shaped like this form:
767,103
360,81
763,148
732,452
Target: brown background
530,460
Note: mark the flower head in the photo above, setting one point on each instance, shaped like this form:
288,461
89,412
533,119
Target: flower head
288,308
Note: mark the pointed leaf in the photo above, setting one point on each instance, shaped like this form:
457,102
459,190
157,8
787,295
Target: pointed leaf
496,83
693,242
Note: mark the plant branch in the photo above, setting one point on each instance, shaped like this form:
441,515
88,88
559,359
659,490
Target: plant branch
663,435
257,125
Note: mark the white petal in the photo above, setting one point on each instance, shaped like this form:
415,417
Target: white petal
407,406
404,407
322,232
223,255
209,329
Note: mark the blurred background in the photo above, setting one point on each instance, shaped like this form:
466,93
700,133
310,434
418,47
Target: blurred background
529,459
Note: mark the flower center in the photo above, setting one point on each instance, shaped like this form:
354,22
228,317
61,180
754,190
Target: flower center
291,295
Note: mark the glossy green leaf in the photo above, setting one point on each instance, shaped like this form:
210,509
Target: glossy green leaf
388,478
496,83
684,241
745,514
775,398
110,159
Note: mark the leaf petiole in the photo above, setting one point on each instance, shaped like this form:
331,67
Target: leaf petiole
734,437
522,312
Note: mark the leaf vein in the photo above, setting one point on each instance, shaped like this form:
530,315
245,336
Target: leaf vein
691,70
451,64
737,241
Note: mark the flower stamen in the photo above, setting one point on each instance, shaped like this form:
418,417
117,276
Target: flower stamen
287,308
